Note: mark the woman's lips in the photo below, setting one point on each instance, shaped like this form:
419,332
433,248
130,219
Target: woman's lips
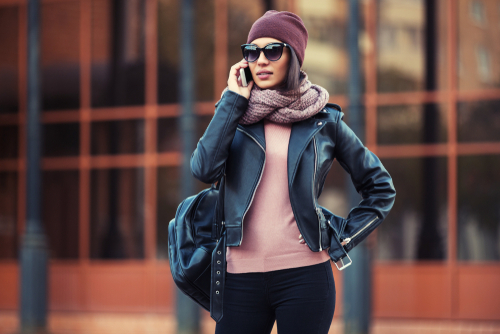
264,75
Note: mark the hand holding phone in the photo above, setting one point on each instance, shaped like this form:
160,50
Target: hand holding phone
235,80
245,76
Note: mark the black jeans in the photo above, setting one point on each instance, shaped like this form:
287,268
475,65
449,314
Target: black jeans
301,300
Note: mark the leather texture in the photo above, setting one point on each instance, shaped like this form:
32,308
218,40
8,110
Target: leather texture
218,279
190,245
238,152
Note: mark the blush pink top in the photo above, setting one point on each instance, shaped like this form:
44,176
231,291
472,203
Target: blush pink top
270,233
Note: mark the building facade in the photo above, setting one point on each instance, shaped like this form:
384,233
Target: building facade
112,149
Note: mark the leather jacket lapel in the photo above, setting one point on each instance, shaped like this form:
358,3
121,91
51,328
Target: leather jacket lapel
256,130
301,135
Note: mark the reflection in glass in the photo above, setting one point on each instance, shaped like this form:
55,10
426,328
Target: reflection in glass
118,137
411,124
479,208
9,23
60,212
8,141
117,52
117,214
416,228
8,215
411,45
169,50
326,60
60,55
169,139
478,121
478,52
61,139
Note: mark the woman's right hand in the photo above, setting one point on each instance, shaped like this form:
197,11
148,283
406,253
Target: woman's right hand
234,82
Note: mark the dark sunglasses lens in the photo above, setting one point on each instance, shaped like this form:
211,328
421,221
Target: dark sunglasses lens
273,52
250,53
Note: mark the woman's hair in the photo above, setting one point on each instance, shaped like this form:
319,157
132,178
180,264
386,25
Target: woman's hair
294,77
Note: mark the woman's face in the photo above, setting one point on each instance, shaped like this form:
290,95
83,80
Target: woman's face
269,74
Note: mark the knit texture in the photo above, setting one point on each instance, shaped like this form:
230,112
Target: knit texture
284,26
282,107
270,233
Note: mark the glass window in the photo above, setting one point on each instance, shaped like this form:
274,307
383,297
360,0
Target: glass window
60,55
326,61
483,61
60,212
117,214
9,22
411,124
9,137
169,136
169,65
477,13
478,54
8,215
118,137
411,56
280,5
479,208
416,228
168,199
118,72
241,16
204,37
168,51
478,121
61,139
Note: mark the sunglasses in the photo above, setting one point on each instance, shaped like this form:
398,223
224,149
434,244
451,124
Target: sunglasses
272,51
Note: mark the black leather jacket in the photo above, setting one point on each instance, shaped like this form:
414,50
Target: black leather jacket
238,152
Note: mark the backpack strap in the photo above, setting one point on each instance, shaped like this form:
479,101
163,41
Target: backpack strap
218,222
218,278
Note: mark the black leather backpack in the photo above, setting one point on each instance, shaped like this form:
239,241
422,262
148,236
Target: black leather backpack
192,238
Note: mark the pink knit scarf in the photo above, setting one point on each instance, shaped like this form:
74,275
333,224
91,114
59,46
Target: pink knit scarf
282,107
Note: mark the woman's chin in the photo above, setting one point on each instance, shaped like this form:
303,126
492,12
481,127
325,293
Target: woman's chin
265,84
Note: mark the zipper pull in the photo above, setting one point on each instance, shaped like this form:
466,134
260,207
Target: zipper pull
345,241
319,212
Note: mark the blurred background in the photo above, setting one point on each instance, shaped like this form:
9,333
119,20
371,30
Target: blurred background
112,151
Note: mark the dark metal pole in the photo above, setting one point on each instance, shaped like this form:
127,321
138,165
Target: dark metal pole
34,254
188,313
429,232
357,278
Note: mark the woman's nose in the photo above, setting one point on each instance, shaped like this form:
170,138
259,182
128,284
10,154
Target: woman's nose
262,59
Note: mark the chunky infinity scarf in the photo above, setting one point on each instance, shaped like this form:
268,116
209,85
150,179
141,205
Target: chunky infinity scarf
282,107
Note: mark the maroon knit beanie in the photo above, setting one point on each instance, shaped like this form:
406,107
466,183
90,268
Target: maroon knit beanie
284,26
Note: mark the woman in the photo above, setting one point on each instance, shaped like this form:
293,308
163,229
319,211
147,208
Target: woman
274,142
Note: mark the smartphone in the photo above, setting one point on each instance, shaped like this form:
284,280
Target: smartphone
245,75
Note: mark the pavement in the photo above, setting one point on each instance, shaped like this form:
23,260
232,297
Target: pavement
134,323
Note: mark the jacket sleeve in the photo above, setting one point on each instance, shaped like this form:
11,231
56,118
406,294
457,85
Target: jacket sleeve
209,157
372,182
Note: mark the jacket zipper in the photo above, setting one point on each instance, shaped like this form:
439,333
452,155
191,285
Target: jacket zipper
255,189
348,240
318,210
